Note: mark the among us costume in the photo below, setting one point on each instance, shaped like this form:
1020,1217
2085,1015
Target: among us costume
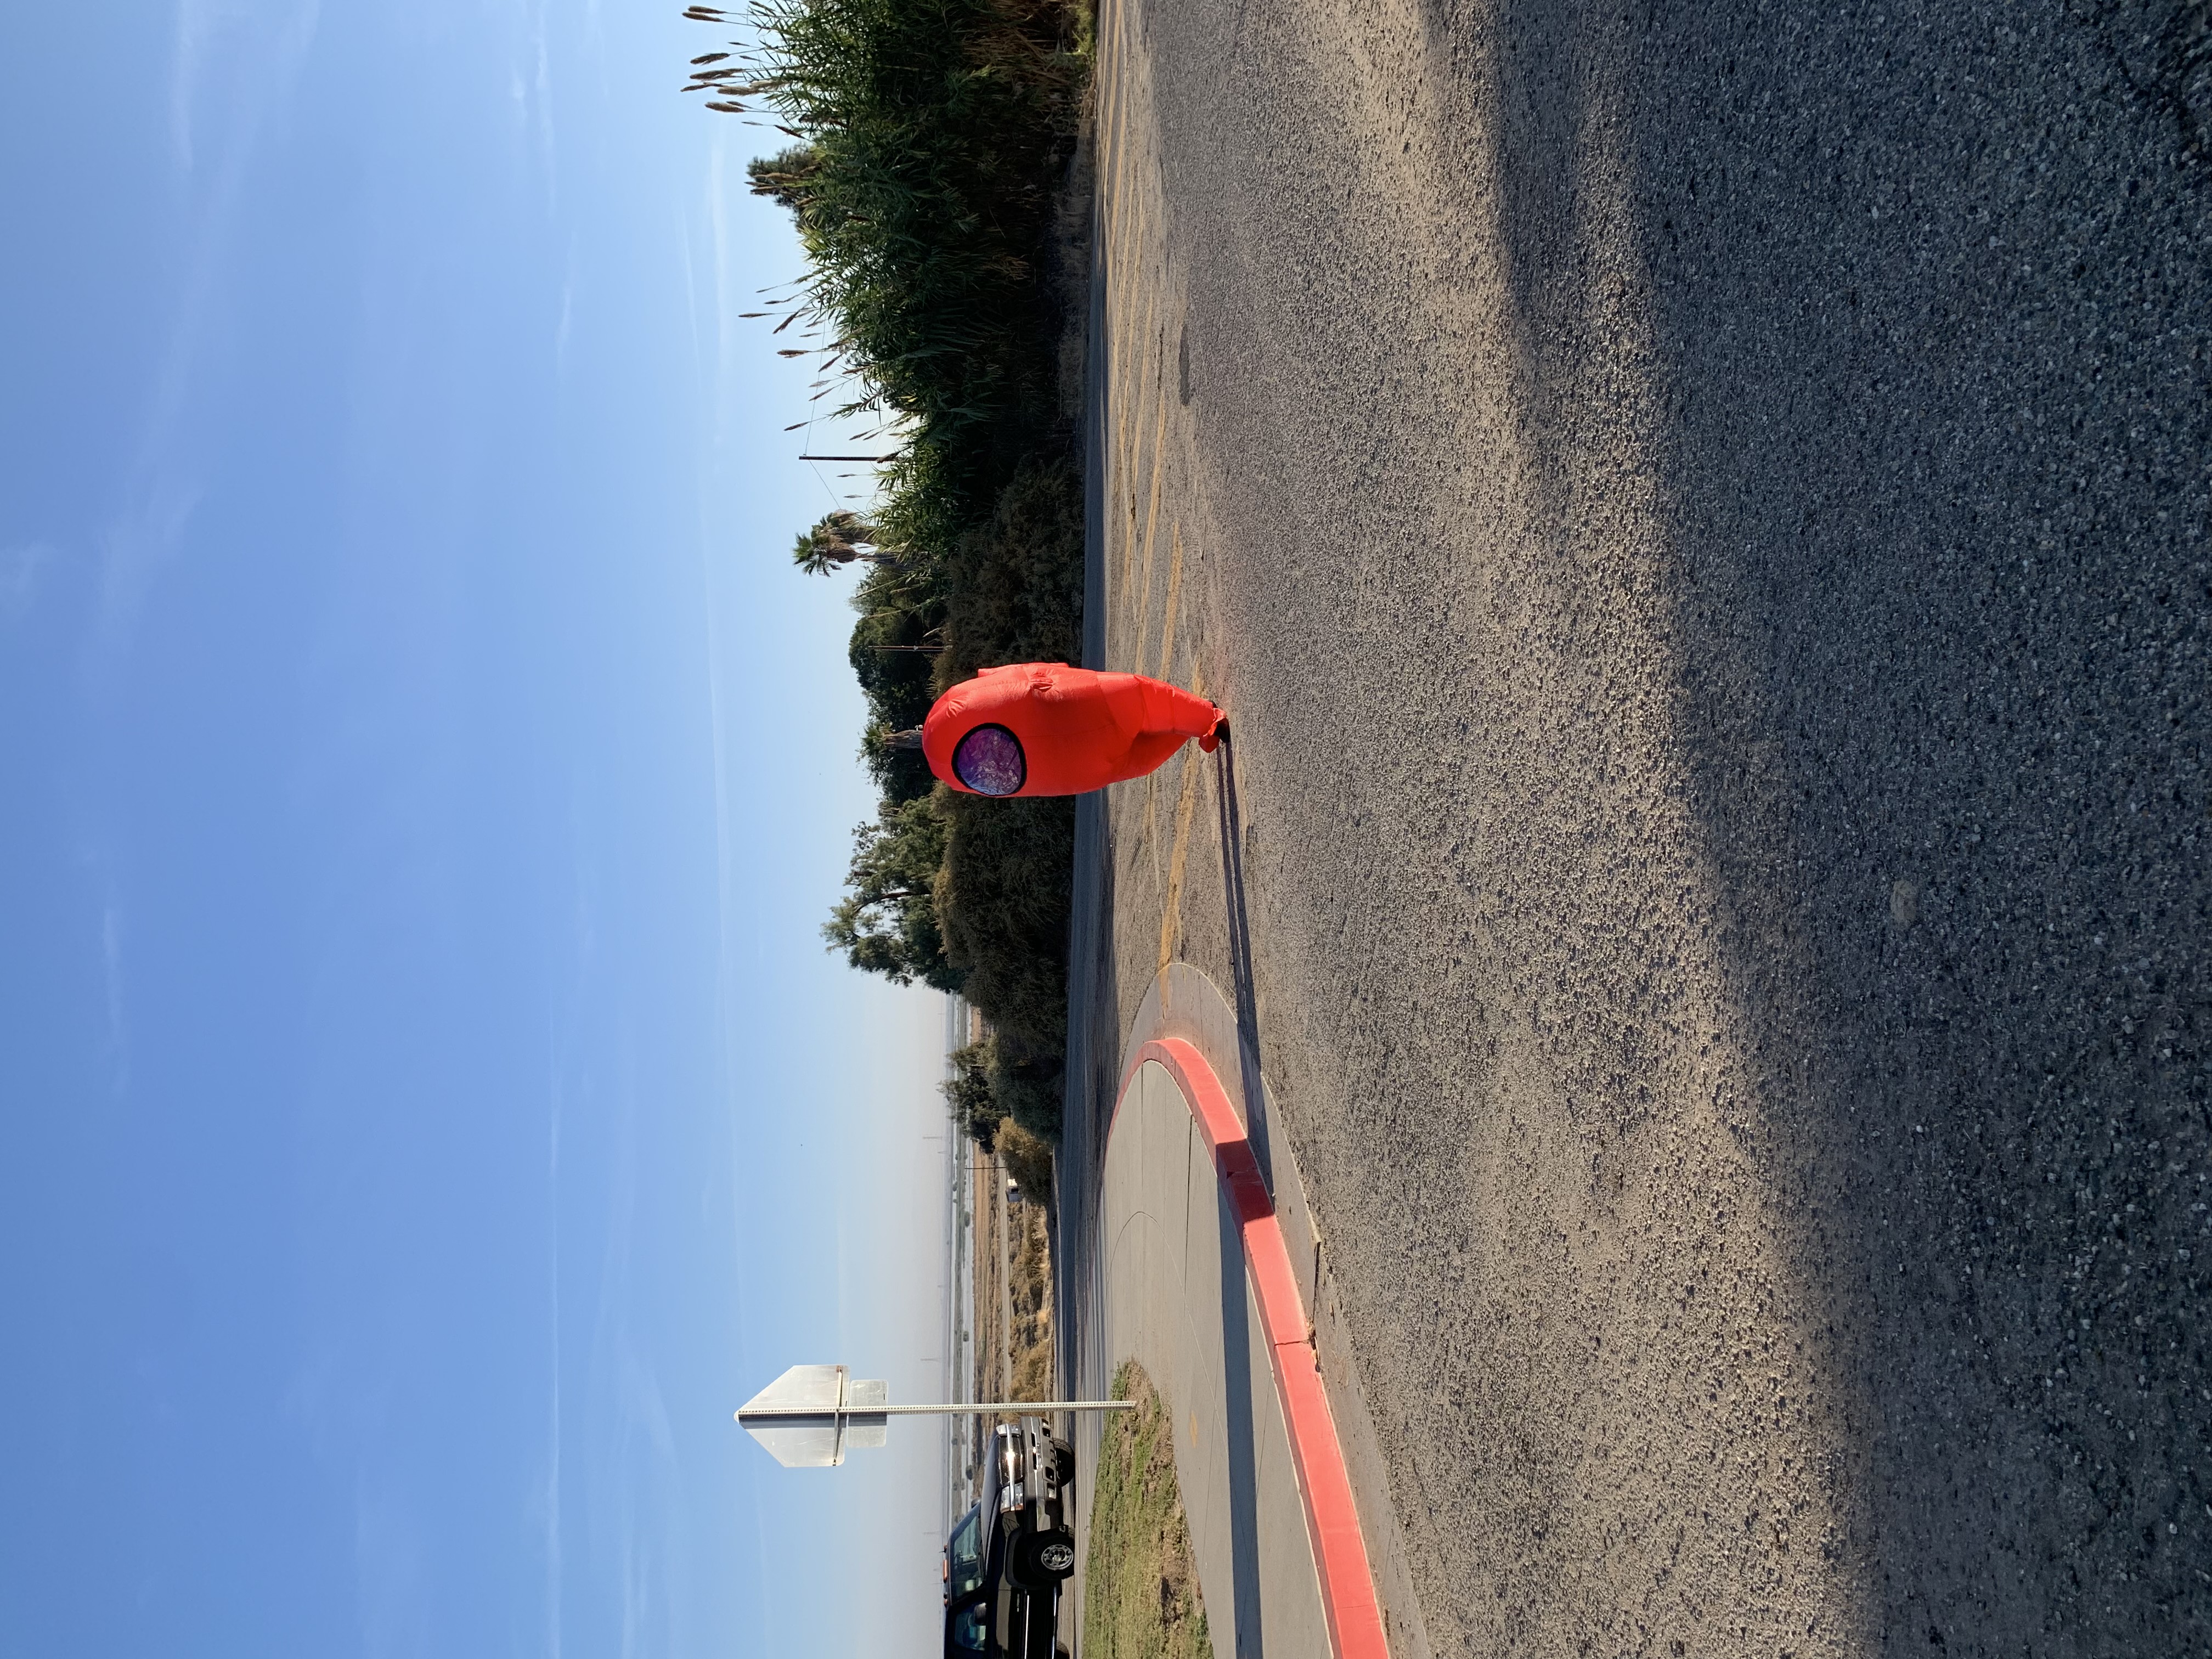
1043,728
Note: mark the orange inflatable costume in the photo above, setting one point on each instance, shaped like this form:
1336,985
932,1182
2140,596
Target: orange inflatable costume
1043,728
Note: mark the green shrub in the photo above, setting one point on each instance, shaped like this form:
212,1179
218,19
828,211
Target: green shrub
997,910
1015,594
993,924
921,186
968,1091
998,1081
1027,1159
1002,896
1030,1095
1014,584
887,923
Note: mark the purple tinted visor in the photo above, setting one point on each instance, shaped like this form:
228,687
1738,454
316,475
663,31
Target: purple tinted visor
989,761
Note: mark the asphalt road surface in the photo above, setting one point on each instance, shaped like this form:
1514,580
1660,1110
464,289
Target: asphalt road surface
1698,513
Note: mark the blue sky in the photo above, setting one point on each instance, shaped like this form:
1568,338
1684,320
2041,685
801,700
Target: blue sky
428,1108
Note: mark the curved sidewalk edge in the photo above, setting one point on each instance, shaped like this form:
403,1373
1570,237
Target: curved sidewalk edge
1339,1549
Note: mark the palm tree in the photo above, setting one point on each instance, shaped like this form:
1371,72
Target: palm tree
847,526
838,541
818,557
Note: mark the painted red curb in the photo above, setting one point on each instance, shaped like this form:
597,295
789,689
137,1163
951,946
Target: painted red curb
1339,1548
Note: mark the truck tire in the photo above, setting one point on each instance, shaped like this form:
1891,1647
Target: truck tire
1043,1558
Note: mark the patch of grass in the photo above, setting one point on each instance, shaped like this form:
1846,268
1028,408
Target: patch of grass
1141,1595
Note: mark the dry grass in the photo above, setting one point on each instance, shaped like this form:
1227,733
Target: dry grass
1140,1597
1029,1279
1013,1291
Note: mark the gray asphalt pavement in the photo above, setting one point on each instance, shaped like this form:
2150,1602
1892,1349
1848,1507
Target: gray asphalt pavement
1699,515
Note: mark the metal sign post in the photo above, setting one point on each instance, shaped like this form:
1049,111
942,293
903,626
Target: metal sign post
810,1415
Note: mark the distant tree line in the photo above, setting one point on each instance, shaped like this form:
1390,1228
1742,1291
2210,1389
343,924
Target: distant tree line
931,143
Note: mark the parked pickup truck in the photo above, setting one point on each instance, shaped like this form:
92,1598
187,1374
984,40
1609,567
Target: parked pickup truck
1005,1560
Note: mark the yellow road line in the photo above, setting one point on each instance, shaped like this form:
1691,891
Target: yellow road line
1125,115
1117,194
1125,244
1130,232
1126,371
1115,171
1186,805
1144,590
1122,249
1152,829
1111,175
1129,549
1175,593
1118,143
1119,388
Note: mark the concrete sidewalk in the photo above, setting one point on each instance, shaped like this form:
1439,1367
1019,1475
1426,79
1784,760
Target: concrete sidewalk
1202,1270
1174,1297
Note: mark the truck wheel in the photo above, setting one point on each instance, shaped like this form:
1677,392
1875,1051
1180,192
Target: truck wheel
1044,1558
1063,1462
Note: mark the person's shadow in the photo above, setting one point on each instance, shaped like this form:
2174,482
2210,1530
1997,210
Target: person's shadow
1241,994
1094,1008
1237,1349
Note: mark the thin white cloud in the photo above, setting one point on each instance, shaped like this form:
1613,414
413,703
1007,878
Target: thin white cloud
545,91
110,958
645,1406
650,1553
690,288
235,66
530,90
718,222
20,568
552,1505
198,23
214,34
388,1575
143,539
565,329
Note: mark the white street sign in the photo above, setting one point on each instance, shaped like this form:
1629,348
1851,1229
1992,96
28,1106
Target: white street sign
809,1417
